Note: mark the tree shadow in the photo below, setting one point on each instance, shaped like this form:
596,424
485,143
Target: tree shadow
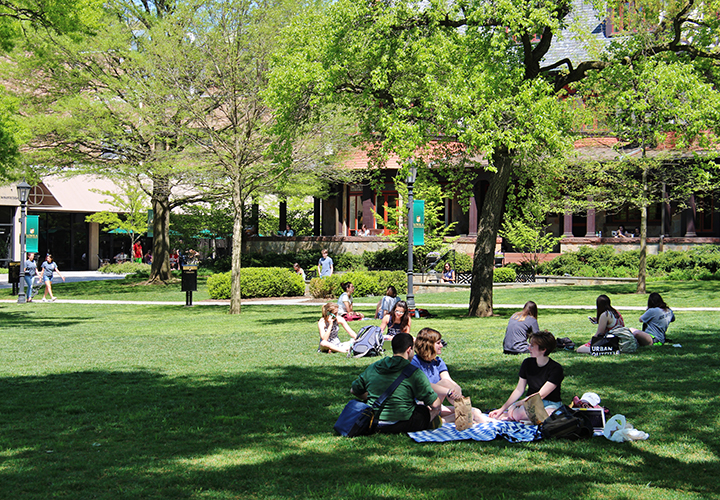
267,433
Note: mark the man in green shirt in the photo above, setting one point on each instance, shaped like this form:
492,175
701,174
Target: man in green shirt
401,413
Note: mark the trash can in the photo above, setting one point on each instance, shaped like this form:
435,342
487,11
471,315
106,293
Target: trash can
189,278
189,282
14,277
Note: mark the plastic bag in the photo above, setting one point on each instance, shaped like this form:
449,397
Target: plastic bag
619,430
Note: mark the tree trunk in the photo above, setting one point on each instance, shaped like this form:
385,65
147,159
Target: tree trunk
642,269
235,292
160,270
481,290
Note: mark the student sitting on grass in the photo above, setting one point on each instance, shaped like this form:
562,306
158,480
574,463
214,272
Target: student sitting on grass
328,328
428,347
401,413
606,319
655,322
386,303
398,320
539,374
345,303
519,328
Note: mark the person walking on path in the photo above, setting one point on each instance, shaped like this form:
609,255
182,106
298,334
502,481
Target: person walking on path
31,271
49,268
325,264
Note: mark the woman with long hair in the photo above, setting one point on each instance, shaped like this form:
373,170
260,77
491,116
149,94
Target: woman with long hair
448,274
386,303
345,303
606,319
328,328
428,347
397,320
49,268
519,328
655,322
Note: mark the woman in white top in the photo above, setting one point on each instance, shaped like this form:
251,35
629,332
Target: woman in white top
328,329
345,307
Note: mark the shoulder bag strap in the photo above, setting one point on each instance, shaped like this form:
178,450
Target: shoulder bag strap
380,402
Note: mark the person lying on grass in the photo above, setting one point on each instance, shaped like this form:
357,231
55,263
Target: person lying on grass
328,328
428,347
539,374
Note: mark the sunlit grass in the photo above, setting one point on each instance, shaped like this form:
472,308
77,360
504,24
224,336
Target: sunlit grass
165,402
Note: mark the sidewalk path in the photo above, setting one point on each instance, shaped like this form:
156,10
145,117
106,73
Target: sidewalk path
75,276
307,301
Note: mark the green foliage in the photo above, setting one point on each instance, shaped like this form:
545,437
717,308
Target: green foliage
132,204
258,282
366,283
462,262
504,275
702,262
350,262
126,268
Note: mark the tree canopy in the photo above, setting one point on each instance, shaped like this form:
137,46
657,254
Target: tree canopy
481,74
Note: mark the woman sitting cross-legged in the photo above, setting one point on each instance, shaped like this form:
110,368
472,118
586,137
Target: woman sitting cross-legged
539,374
655,322
607,318
519,328
398,320
428,347
328,328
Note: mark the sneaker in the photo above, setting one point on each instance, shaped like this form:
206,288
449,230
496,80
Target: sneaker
44,299
53,299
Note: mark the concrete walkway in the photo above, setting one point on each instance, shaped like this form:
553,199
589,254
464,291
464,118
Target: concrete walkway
76,276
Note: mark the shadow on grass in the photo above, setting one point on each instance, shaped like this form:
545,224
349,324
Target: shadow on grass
268,433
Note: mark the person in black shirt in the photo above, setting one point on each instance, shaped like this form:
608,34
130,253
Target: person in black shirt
539,374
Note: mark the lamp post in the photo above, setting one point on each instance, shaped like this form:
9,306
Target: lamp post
410,181
23,192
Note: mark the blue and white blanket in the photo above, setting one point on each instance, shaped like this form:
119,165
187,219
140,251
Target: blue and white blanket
512,431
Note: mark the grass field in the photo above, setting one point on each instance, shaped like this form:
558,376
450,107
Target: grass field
165,402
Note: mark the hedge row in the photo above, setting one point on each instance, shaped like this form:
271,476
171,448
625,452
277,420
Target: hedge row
366,283
258,282
701,262
395,259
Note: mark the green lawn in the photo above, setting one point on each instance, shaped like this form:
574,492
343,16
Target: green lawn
168,402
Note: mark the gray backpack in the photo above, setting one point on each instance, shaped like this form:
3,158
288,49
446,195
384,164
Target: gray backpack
369,343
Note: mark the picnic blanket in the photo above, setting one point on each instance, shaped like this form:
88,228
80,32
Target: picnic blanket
512,431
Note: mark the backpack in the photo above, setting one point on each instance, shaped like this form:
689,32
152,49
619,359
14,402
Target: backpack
369,343
567,424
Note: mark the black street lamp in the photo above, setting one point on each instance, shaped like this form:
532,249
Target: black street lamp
23,192
412,174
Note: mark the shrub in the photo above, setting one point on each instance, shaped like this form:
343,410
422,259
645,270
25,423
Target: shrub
366,283
463,263
504,275
258,282
349,262
126,268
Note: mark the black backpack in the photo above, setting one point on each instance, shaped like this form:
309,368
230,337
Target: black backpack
369,343
566,424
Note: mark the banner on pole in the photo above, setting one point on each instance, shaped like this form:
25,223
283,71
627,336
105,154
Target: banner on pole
32,231
418,222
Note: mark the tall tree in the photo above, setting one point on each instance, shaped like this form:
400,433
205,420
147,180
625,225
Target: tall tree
96,103
481,73
18,17
218,78
650,104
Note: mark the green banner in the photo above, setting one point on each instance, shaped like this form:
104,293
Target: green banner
418,222
32,231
